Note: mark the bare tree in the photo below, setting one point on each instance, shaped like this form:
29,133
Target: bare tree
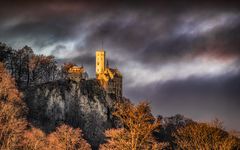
204,136
12,110
67,138
35,139
139,125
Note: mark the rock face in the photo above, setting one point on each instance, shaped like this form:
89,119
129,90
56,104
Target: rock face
85,105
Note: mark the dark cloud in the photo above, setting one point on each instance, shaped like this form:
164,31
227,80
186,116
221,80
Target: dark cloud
58,49
219,43
201,98
41,32
154,38
52,21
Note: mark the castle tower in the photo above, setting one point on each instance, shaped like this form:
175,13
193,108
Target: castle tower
100,61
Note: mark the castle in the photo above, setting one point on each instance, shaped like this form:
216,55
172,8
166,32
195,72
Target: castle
110,79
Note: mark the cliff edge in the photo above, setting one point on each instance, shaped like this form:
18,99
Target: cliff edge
83,104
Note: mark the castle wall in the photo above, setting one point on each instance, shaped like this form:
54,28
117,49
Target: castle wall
115,86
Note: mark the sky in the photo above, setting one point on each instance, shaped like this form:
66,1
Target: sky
183,57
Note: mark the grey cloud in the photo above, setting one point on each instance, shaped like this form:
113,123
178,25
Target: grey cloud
135,29
200,98
153,39
58,49
41,33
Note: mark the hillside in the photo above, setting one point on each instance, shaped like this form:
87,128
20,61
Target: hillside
85,105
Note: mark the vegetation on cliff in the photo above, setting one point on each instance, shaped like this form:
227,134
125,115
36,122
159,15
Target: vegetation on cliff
205,136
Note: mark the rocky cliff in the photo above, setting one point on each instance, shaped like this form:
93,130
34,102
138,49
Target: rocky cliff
85,105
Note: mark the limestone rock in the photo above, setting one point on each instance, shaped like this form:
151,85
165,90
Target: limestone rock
82,104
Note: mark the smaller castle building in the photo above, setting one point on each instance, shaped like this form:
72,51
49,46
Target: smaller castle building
76,73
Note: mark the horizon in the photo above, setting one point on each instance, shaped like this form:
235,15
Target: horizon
182,57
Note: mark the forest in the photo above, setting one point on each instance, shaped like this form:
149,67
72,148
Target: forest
138,129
